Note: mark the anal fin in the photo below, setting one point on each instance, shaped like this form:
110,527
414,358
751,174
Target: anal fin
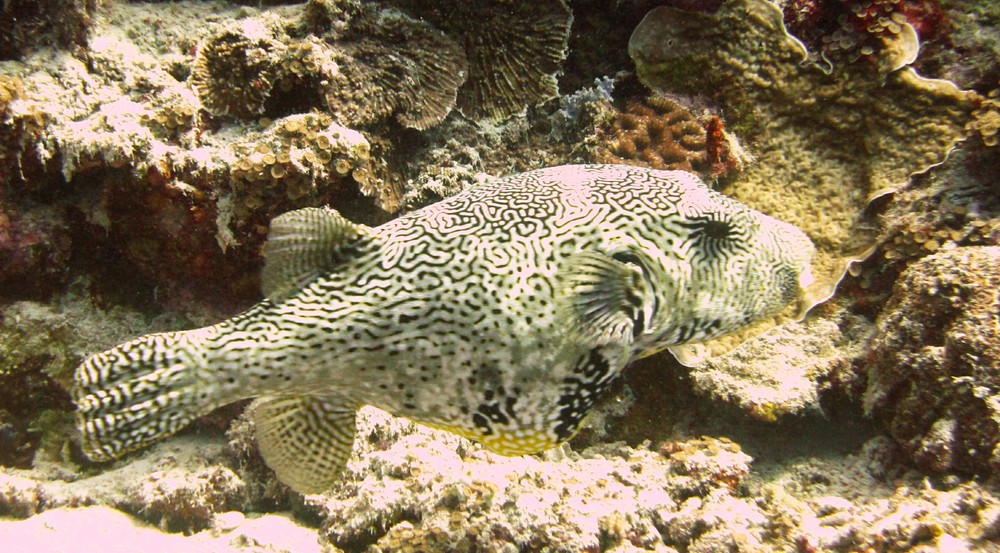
306,440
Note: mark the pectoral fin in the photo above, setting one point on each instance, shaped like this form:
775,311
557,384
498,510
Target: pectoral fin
606,296
305,439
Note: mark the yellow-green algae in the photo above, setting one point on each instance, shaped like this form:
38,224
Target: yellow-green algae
826,141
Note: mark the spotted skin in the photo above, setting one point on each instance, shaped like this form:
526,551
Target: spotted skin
499,314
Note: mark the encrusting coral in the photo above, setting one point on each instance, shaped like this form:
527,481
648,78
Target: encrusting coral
514,49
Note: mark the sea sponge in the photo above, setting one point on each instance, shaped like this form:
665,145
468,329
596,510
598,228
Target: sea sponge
236,66
514,49
391,64
826,142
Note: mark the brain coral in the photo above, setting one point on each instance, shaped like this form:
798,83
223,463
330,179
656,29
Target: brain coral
826,141
514,49
662,134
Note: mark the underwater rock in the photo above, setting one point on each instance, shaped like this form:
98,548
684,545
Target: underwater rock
514,50
411,487
782,372
825,143
934,375
40,346
30,25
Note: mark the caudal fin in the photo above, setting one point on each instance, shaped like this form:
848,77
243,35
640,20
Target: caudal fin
139,392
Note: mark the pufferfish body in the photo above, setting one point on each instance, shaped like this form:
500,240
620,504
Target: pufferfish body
500,314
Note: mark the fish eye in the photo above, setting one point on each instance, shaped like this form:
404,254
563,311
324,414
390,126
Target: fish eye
715,236
628,258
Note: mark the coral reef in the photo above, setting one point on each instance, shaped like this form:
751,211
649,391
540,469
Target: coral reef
236,67
935,359
885,33
32,25
391,64
832,140
409,488
514,50
140,163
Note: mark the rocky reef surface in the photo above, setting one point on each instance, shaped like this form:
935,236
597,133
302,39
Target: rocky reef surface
145,146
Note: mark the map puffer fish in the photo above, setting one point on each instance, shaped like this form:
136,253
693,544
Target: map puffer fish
499,314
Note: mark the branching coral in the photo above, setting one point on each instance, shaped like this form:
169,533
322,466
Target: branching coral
514,50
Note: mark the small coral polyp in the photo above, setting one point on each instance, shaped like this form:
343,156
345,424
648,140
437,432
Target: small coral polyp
884,32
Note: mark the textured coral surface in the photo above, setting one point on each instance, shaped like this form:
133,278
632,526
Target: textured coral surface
934,379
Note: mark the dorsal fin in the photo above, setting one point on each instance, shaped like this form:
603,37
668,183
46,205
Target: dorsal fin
304,244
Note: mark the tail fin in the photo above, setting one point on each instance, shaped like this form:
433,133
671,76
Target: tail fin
141,391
